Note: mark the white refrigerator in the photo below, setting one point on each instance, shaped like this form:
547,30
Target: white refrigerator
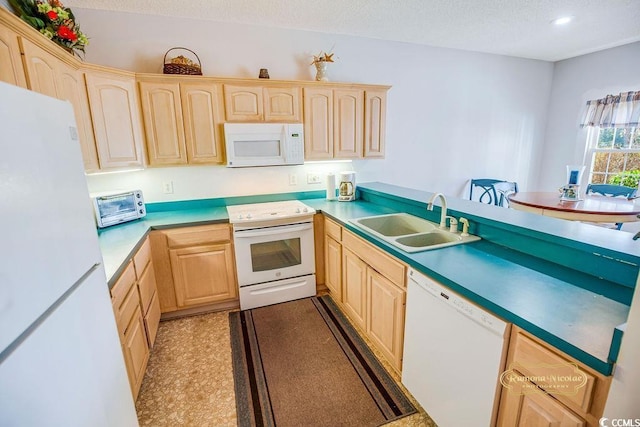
60,357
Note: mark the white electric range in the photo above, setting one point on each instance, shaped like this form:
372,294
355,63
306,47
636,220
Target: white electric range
274,248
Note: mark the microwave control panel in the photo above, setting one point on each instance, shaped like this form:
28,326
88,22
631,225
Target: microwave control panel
295,144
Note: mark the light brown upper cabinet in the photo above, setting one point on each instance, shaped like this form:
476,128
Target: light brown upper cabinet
182,122
344,122
375,112
348,120
73,89
203,111
41,68
273,103
318,123
282,104
116,118
164,128
51,76
11,70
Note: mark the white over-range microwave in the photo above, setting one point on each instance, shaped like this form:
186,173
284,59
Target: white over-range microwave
264,144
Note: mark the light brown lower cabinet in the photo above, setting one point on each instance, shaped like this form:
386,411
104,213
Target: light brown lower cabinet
195,267
137,311
333,267
203,274
548,387
385,323
535,409
369,285
136,351
354,291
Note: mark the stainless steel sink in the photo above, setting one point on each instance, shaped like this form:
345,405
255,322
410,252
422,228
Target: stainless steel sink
410,233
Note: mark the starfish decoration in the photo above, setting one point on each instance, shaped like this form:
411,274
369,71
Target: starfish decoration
323,57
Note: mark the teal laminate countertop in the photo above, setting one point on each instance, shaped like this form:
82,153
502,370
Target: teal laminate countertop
561,305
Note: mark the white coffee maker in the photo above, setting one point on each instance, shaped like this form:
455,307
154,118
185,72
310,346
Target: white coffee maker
347,186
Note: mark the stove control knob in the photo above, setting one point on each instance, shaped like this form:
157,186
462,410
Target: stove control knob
248,216
305,210
240,216
297,210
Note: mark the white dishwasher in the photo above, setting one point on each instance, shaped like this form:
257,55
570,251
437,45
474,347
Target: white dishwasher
454,353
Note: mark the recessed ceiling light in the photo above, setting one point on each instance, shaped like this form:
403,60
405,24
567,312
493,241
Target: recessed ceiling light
563,20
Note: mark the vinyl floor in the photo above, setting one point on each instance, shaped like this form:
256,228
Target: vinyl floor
189,378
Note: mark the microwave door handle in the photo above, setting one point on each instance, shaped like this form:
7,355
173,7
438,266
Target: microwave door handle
270,232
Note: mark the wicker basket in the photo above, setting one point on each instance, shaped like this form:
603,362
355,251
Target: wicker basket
182,65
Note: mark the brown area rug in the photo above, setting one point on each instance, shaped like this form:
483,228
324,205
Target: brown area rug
301,363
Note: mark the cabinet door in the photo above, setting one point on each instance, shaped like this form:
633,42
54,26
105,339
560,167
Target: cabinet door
203,274
73,89
318,124
282,104
354,292
136,351
41,69
152,320
348,123
203,111
333,267
385,319
243,103
375,111
534,408
116,119
11,69
164,130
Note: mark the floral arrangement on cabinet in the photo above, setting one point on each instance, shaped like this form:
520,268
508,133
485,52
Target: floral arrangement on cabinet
54,21
321,61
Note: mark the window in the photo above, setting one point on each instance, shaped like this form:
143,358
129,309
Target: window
615,156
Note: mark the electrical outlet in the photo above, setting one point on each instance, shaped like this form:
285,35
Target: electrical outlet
313,178
167,187
293,179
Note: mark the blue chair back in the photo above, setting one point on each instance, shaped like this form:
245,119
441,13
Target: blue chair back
611,190
492,191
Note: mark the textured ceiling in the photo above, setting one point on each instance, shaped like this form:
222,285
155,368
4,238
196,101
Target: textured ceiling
509,27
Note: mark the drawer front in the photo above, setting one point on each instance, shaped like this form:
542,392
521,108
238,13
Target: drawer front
152,320
381,262
198,235
332,229
121,288
125,312
142,258
147,287
540,363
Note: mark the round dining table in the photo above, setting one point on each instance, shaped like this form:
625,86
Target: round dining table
590,208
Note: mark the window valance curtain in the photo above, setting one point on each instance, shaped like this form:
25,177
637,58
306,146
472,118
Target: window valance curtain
613,111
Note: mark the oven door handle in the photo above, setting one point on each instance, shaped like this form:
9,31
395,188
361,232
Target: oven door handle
271,231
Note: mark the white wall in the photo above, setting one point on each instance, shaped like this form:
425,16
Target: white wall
575,81
203,182
452,114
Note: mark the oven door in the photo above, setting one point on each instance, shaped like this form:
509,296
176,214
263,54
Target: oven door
274,253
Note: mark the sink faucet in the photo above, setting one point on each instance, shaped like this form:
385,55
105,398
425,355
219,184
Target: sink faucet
443,212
